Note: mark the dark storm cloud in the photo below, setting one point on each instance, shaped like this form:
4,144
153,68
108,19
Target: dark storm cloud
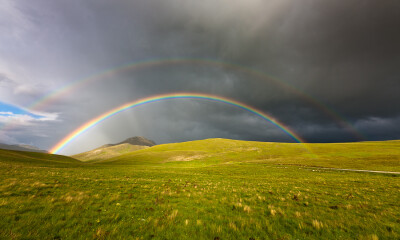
344,54
352,48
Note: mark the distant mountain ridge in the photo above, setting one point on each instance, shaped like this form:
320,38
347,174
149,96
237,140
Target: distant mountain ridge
21,147
112,150
138,140
106,152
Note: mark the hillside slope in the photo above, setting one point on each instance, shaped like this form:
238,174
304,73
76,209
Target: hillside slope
383,155
35,158
107,151
211,189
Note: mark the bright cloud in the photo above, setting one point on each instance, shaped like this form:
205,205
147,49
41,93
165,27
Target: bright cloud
18,116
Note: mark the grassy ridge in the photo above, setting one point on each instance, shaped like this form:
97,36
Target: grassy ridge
36,158
383,156
211,189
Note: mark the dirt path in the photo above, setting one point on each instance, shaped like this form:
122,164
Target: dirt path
355,170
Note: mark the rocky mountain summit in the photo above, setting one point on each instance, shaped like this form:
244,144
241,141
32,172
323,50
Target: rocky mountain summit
139,141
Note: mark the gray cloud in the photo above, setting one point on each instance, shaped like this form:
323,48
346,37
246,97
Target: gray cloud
344,54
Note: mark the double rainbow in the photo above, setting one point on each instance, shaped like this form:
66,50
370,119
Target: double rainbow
69,88
95,121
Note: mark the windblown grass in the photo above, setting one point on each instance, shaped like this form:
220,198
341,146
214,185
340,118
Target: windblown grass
384,156
224,194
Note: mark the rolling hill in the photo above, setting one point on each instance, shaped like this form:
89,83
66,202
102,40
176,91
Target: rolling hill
12,157
383,155
211,189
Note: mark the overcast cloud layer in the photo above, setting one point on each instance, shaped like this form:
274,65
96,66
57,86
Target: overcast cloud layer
344,54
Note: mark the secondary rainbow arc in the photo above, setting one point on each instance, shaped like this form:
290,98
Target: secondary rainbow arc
49,98
95,121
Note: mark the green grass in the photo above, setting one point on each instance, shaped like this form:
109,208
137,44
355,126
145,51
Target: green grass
202,190
20,158
384,156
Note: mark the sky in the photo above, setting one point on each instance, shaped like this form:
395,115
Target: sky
328,70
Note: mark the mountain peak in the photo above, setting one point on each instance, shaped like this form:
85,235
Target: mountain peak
138,140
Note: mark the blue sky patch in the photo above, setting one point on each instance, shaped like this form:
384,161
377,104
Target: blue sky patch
8,109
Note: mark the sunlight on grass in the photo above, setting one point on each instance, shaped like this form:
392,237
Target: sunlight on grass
211,200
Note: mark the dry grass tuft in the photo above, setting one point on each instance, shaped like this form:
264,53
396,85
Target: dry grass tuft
273,212
100,234
74,197
3,202
317,224
233,226
369,237
38,185
246,209
173,215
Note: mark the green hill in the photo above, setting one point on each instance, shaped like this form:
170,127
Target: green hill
208,189
36,158
106,152
383,155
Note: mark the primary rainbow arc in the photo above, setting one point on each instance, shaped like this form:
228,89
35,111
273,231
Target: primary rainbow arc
69,88
90,124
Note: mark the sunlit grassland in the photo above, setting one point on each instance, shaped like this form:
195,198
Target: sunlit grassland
17,158
172,193
384,156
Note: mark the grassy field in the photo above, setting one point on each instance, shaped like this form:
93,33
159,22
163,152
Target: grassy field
209,189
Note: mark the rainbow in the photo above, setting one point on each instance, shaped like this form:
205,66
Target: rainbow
62,91
95,121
